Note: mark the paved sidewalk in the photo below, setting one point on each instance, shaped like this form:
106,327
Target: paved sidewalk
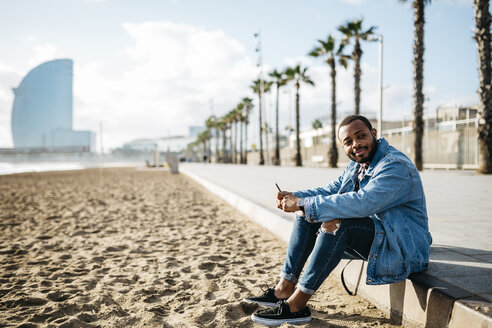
459,206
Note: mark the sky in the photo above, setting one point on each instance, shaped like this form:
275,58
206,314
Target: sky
152,68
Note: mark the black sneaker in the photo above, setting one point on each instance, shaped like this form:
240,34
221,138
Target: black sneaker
267,299
281,314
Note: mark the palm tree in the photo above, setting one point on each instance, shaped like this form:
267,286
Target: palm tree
202,139
279,79
353,30
223,126
217,137
317,124
210,124
482,36
248,106
236,118
298,75
240,116
229,117
328,48
190,149
256,87
418,77
232,135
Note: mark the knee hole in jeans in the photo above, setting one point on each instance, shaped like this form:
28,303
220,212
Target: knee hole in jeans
330,227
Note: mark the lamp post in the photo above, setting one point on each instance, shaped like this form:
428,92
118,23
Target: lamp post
260,105
379,38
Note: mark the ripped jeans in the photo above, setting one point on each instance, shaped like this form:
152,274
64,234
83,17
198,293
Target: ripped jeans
326,249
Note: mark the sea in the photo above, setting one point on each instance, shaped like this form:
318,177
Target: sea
23,167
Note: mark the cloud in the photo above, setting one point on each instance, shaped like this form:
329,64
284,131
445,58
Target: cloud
316,101
173,71
32,38
43,52
8,78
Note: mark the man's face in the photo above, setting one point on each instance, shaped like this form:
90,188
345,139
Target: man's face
359,143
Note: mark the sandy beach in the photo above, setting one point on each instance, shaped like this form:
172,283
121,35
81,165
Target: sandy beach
140,248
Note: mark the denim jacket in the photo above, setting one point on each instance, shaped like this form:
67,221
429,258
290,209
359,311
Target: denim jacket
391,194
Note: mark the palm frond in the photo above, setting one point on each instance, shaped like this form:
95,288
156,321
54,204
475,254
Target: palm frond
315,52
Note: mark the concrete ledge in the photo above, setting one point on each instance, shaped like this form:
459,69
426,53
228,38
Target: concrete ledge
280,226
471,313
420,301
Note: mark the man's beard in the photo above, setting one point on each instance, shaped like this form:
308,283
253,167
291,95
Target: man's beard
369,156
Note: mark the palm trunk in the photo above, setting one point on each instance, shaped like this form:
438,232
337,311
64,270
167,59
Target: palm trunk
277,142
357,54
241,158
298,125
262,158
235,142
224,145
333,152
418,80
246,143
204,155
217,132
230,143
482,36
209,140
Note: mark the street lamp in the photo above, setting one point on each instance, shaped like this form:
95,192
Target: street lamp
262,90
379,38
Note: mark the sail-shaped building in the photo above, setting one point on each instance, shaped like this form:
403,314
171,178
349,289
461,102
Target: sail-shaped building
43,107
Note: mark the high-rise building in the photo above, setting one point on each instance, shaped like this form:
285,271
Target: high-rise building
42,110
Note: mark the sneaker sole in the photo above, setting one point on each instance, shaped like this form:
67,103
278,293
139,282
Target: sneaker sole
269,304
278,322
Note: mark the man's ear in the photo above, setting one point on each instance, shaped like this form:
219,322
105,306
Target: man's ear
374,133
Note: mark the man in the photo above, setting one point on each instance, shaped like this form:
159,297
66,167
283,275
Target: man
375,209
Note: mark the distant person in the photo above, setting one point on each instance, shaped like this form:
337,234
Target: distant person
376,209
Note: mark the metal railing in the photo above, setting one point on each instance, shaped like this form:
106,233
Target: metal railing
446,145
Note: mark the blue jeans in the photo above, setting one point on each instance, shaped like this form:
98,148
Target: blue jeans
326,249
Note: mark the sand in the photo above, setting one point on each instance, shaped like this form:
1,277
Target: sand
139,248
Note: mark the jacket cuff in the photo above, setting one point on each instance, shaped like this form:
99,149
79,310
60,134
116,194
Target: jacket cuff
309,211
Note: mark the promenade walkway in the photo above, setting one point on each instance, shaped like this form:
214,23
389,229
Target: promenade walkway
456,291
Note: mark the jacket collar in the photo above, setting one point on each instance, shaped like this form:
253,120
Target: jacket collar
380,152
382,149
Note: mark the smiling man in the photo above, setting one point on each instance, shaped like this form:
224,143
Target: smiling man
376,210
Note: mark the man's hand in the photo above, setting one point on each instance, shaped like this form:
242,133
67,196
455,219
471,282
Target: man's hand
280,196
289,203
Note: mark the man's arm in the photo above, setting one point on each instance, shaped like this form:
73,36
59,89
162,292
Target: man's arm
331,189
388,188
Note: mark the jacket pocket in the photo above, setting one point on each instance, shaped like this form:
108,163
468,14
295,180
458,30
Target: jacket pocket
390,260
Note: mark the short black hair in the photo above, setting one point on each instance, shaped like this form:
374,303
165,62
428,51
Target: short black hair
349,119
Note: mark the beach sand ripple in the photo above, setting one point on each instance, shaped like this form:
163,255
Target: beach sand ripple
139,248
